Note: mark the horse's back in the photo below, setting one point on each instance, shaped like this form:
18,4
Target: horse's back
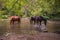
15,16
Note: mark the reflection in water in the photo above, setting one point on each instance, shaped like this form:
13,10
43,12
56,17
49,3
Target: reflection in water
38,27
15,27
43,27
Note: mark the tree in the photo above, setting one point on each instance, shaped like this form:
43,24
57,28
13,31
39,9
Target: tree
32,7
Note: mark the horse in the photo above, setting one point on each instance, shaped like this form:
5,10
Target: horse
37,19
14,19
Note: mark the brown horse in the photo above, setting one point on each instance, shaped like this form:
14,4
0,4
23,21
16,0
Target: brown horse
14,19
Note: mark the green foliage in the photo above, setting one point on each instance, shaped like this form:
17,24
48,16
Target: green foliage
30,7
4,16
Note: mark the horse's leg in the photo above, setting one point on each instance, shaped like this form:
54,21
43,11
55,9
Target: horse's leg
40,23
12,21
45,22
19,21
11,25
35,21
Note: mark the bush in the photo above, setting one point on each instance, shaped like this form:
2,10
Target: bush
4,17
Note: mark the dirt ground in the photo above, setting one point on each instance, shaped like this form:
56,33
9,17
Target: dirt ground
39,36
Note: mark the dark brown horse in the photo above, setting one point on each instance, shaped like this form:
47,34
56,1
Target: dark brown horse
14,19
38,19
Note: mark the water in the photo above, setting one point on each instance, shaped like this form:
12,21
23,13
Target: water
38,27
43,27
